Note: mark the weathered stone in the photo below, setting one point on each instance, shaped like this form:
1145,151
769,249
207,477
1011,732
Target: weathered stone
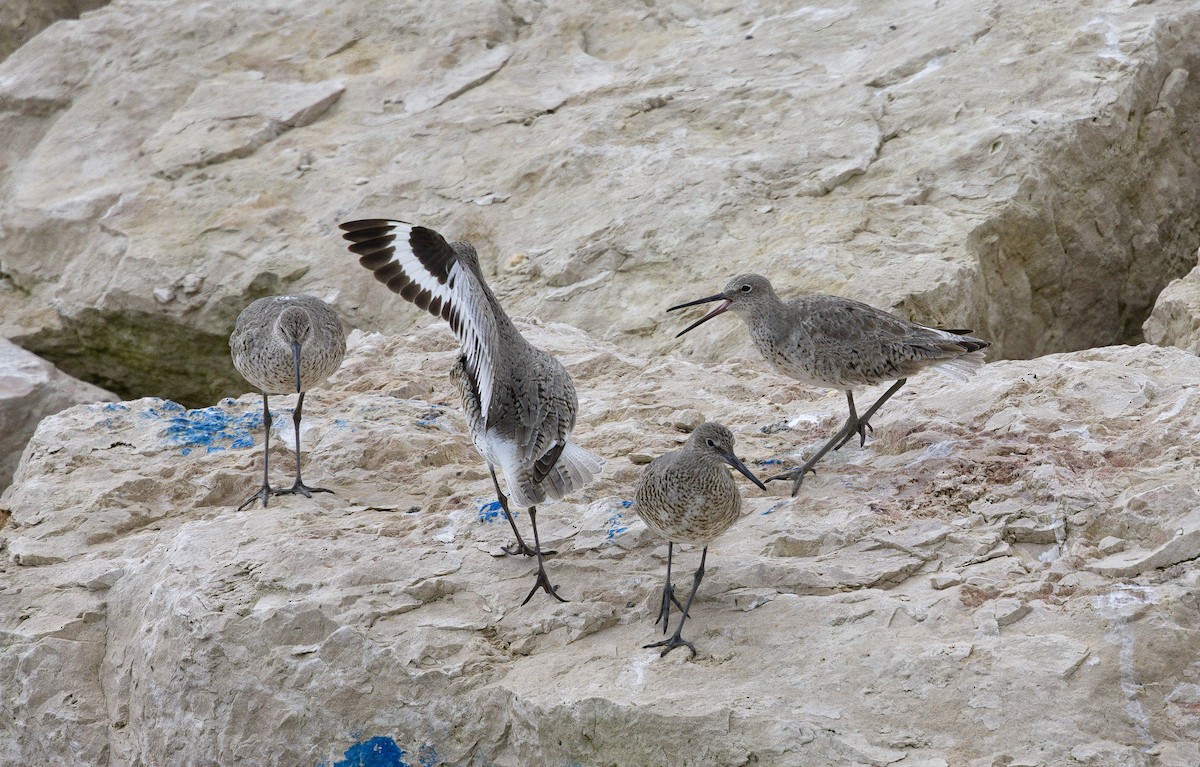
1175,319
1025,171
1025,530
1052,654
1183,546
345,623
944,580
31,389
1009,611
230,118
22,19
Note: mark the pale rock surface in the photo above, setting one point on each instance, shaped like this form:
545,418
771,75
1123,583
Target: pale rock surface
1175,320
1026,170
908,608
22,19
31,389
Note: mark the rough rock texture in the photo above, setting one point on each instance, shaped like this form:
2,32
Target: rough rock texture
22,19
31,389
1175,320
1027,170
1004,575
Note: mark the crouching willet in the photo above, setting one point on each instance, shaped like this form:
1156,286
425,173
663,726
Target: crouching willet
519,401
837,343
687,496
283,344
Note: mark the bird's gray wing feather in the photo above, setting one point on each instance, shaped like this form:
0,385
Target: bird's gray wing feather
545,413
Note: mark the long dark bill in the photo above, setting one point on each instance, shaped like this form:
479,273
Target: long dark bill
733,461
296,357
721,308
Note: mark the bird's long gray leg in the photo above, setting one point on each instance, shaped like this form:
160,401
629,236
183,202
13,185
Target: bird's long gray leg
797,475
299,486
520,546
854,425
668,594
675,640
860,426
265,492
864,420
543,581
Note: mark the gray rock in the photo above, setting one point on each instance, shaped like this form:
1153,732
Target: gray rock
22,19
1183,546
1025,172
31,389
1009,611
230,118
1026,530
944,580
141,611
1175,319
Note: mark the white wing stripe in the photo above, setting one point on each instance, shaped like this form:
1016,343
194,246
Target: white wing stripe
455,294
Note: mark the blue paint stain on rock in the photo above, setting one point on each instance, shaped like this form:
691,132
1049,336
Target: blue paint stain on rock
429,418
491,511
111,408
376,752
212,428
427,756
616,523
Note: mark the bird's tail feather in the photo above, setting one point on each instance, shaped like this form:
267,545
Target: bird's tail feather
961,367
574,468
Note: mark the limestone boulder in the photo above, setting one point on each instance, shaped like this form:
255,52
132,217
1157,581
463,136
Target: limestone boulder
1026,171
1175,320
31,389
945,595
22,19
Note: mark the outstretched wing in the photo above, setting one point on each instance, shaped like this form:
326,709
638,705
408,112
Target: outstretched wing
417,263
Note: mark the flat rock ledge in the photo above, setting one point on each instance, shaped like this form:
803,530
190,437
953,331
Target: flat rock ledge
1004,575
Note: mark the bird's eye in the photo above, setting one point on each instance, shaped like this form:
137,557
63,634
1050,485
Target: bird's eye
746,288
711,443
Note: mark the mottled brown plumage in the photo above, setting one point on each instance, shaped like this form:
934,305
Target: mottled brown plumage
285,344
687,496
838,343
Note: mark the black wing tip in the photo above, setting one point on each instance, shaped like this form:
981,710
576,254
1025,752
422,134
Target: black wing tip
359,224
968,342
975,344
367,246
424,236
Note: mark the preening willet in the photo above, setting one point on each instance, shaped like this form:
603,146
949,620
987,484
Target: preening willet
519,401
285,344
837,343
687,496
